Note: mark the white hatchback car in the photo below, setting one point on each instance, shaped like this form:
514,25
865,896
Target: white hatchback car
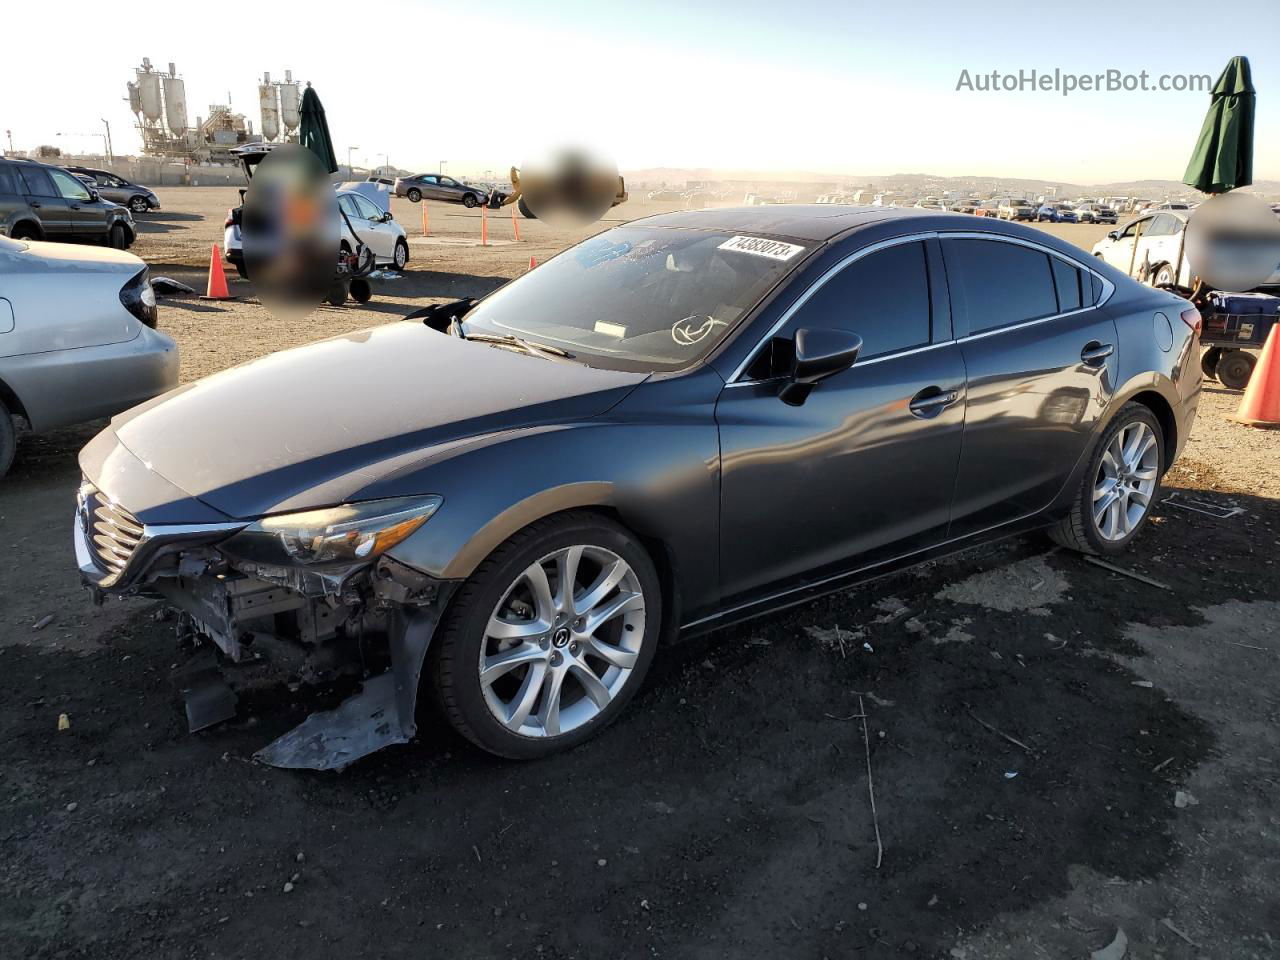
1151,249
376,228
78,337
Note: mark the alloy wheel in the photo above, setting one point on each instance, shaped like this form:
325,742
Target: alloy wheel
1126,481
562,642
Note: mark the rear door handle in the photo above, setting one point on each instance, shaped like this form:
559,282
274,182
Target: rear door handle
931,401
1094,353
34,203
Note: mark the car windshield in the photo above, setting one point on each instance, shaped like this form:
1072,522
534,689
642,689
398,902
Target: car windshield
638,298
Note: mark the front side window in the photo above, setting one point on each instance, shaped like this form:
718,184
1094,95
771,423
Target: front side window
639,298
1132,229
1000,283
882,297
69,187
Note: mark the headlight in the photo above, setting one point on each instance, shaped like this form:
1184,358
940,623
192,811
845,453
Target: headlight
337,536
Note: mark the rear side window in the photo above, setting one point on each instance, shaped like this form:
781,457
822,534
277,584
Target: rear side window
38,182
1069,282
1001,283
8,181
883,298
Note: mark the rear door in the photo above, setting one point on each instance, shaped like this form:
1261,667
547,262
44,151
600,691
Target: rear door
45,201
864,469
1041,362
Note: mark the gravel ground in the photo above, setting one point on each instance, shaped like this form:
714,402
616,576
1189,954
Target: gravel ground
1061,755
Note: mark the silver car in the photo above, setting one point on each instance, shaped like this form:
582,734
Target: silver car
78,337
435,186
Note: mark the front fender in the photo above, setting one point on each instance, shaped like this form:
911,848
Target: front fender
660,479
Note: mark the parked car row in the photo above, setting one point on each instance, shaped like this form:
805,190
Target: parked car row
40,201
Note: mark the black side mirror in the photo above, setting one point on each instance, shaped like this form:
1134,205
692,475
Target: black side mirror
1113,234
93,194
819,354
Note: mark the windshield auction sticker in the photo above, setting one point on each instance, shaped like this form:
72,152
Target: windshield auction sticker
773,249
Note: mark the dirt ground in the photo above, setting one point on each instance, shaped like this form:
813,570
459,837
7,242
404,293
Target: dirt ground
1063,757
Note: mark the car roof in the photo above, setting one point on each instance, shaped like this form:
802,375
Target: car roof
826,221
804,221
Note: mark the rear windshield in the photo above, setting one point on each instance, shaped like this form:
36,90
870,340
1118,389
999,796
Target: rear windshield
639,298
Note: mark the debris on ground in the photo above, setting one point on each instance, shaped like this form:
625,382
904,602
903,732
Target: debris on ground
1131,574
167,286
64,722
1182,800
1117,949
1029,585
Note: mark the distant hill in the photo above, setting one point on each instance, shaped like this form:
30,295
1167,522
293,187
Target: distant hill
922,182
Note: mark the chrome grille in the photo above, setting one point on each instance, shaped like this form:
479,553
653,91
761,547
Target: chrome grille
113,532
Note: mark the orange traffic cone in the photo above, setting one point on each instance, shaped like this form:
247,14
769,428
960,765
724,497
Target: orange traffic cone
1261,404
532,263
217,289
484,226
424,219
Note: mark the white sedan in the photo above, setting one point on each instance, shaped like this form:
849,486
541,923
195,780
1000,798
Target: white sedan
78,337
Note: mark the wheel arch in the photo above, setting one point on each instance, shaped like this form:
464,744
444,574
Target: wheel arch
1163,411
12,402
30,223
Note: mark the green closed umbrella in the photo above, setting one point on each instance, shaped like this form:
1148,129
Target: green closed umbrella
313,133
1223,158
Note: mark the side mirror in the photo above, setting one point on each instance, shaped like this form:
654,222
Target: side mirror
1113,234
819,354
387,217
93,194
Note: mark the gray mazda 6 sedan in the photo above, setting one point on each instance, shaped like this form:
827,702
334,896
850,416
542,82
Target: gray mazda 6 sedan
692,419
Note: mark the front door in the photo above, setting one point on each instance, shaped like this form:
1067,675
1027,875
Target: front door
1041,364
86,219
865,467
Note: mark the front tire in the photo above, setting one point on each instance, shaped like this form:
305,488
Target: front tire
1120,485
524,666
470,201
401,256
415,195
117,238
524,209
139,205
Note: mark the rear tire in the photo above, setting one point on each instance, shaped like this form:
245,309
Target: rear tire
1234,368
8,439
1081,529
500,586
1164,276
24,231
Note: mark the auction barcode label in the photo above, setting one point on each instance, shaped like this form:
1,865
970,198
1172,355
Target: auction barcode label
773,249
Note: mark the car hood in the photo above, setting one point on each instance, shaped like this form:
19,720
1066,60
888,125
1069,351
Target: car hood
313,426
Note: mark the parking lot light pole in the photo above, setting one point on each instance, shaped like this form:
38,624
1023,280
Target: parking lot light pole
110,155
440,168
351,169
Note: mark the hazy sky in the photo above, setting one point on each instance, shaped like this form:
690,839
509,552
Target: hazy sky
860,88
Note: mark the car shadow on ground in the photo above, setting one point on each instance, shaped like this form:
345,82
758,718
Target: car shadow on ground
1010,739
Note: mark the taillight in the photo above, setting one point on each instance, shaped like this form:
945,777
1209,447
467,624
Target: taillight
1191,317
139,299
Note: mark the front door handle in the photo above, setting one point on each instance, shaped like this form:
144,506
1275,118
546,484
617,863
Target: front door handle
931,401
34,203
1095,353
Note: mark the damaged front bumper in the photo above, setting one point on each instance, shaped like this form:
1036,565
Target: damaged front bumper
305,625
